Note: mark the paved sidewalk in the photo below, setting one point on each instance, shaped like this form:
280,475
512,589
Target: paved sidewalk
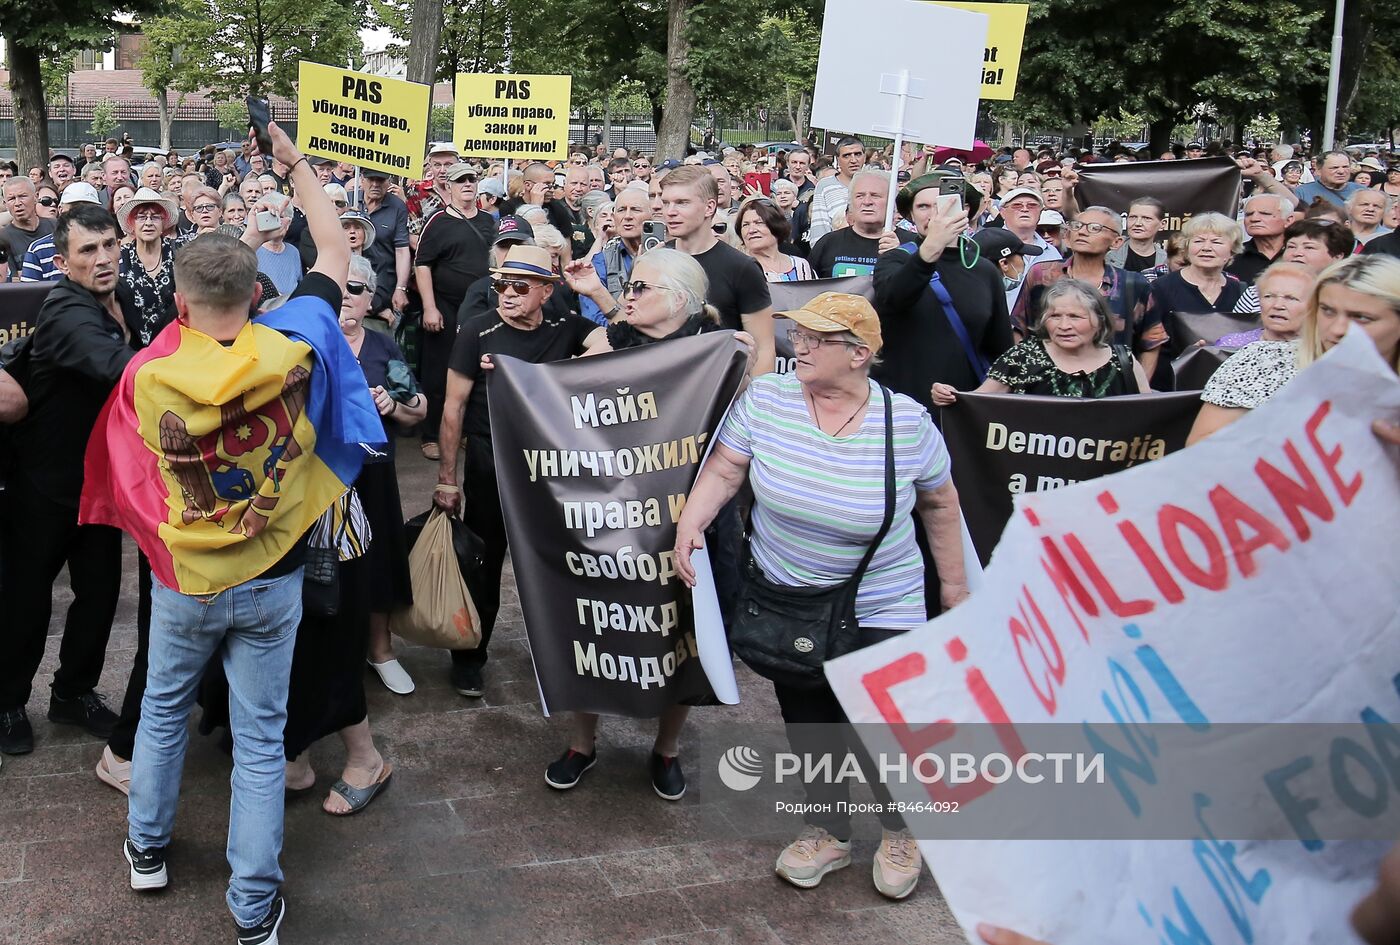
467,846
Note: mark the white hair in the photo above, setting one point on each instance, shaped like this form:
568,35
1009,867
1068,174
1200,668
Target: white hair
362,270
336,192
279,202
1285,206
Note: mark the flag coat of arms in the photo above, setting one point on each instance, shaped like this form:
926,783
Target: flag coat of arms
217,458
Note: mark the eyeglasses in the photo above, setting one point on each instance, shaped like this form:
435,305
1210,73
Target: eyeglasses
517,286
806,341
48,201
1094,229
356,288
146,216
205,207
640,288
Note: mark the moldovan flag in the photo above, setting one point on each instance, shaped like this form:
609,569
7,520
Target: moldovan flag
216,459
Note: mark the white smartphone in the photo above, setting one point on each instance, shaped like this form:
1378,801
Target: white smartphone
268,220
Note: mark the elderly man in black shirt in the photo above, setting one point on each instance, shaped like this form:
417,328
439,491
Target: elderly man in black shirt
82,340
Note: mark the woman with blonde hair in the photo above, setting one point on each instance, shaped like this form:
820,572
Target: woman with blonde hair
1202,285
1360,290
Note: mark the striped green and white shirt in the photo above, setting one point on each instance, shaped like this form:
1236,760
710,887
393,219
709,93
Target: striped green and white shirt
820,499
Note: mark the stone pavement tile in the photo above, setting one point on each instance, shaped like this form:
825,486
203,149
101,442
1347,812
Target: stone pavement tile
494,849
50,759
11,862
747,933
643,871
924,918
73,820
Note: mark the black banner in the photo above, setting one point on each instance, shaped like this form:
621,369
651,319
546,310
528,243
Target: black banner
788,296
1185,188
1004,444
593,475
19,308
1195,367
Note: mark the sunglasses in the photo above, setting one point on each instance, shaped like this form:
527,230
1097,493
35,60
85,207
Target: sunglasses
517,286
342,204
356,288
640,288
48,201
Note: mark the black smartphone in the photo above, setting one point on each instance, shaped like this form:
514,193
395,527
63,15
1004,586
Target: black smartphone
259,114
950,191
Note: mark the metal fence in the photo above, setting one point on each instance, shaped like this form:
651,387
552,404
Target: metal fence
193,126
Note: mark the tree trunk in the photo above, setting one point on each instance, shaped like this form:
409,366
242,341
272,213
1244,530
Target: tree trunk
607,120
163,114
31,113
804,114
425,41
673,135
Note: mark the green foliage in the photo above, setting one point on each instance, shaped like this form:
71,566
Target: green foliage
104,119
57,27
232,116
251,47
440,123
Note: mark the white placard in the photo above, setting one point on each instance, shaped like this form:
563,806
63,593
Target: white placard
867,44
1248,579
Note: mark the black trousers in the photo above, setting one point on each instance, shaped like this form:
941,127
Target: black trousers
41,536
481,510
816,726
123,740
434,354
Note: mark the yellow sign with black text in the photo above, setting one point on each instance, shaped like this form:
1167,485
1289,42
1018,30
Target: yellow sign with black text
368,120
521,117
1001,59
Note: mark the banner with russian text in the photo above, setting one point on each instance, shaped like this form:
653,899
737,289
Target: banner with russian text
593,477
1246,581
1184,187
1004,445
370,120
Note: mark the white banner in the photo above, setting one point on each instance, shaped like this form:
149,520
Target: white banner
1249,579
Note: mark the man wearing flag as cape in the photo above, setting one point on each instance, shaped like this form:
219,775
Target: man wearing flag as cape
221,445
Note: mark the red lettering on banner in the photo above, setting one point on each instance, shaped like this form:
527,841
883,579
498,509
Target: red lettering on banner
1119,607
1055,668
1346,491
1215,575
1233,514
1064,579
1156,570
1292,496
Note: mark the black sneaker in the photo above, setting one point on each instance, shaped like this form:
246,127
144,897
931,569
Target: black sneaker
147,867
16,734
265,932
667,779
87,711
466,679
568,770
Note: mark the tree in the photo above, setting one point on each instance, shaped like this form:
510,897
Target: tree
38,29
237,48
1166,60
164,65
104,119
673,132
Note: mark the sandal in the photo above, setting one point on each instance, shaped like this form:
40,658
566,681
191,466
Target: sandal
359,798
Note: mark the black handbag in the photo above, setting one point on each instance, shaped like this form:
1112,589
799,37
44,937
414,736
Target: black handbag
320,580
786,633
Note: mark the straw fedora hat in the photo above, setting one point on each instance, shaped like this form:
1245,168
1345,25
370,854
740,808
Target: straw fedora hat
530,261
146,196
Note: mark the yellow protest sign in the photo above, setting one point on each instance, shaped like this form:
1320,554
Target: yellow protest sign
1006,31
369,120
512,116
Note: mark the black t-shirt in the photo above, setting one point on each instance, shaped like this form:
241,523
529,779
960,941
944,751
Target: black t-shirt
556,339
457,251
1250,264
1388,244
572,224
1135,263
844,252
737,285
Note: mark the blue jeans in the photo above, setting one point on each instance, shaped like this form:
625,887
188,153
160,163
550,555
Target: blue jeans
253,627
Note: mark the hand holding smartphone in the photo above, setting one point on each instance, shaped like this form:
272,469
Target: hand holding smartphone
259,115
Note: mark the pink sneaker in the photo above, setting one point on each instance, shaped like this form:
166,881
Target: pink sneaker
897,864
114,772
811,856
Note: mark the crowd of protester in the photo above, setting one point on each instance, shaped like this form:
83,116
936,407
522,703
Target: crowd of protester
1011,287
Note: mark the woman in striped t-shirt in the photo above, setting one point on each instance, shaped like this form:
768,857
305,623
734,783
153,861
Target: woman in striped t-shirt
812,445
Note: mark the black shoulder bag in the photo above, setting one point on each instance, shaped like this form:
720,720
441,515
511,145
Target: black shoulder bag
786,633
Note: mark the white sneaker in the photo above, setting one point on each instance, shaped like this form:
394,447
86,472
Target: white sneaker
897,863
811,856
394,677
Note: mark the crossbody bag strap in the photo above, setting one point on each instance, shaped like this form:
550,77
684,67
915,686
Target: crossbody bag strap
980,365
889,490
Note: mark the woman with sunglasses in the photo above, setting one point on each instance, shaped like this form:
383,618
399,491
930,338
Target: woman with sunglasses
46,200
813,446
148,259
664,299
